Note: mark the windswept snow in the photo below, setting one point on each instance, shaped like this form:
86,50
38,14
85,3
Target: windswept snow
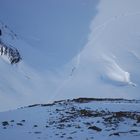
109,62
21,83
115,74
78,119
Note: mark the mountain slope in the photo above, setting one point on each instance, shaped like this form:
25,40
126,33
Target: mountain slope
82,118
21,82
107,66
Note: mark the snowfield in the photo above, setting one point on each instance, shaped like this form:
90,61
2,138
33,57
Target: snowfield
106,66
77,119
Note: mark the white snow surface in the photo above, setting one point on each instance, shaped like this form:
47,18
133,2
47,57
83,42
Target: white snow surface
107,66
109,63
61,121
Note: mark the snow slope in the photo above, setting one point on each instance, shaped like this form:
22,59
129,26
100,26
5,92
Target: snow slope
109,63
107,66
21,83
78,119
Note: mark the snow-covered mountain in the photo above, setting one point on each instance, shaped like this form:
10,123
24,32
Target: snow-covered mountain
77,119
20,82
104,70
107,66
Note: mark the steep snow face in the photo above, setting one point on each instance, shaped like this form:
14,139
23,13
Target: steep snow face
116,34
109,63
78,119
20,83
107,66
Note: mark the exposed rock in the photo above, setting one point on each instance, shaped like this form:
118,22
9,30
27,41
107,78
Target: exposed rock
115,134
10,52
95,128
35,125
69,138
86,113
66,119
5,123
37,132
0,32
20,124
138,119
86,100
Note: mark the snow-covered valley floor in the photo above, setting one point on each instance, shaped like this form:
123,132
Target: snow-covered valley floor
77,119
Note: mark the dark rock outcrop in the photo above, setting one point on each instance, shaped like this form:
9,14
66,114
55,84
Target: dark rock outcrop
95,128
0,32
12,53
